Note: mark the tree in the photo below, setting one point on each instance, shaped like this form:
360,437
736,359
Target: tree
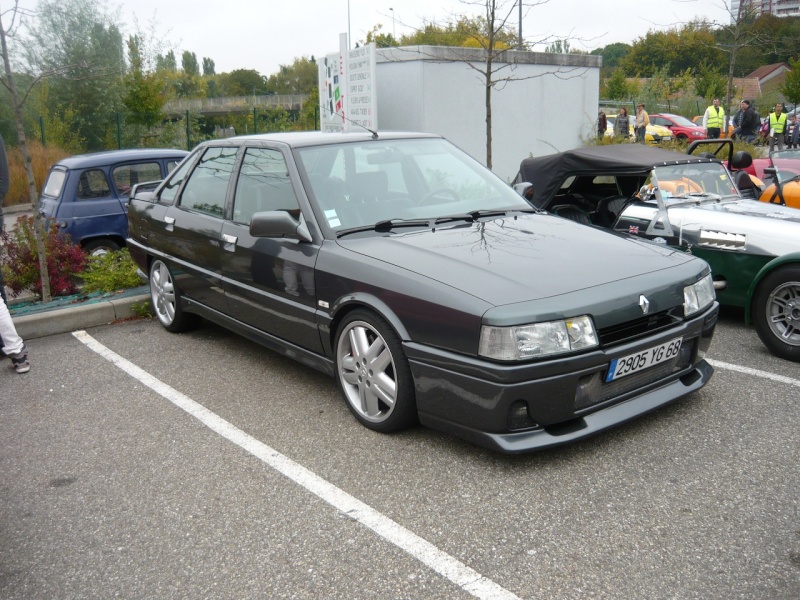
791,87
76,42
298,78
208,67
189,63
617,86
10,84
612,54
167,62
242,82
676,49
381,40
144,97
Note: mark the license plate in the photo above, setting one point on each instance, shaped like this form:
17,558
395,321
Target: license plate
633,363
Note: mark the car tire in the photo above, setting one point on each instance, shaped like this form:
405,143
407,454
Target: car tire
373,373
776,307
682,139
100,247
166,298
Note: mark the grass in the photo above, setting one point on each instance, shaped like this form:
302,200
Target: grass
42,158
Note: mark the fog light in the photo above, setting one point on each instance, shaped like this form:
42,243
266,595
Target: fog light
518,417
685,355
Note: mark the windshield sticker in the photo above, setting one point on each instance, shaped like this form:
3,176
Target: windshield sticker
333,218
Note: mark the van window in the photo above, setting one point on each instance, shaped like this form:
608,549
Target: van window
92,184
55,183
126,176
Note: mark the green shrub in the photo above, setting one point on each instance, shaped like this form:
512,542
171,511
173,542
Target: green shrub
110,272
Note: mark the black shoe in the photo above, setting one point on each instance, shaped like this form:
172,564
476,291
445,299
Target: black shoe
20,361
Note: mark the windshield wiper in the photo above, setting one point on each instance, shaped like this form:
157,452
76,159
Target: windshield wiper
387,225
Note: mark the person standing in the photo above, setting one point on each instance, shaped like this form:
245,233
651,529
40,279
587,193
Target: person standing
622,124
602,125
777,124
713,120
10,342
793,136
748,127
736,121
642,121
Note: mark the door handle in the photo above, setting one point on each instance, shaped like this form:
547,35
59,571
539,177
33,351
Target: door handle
229,242
170,221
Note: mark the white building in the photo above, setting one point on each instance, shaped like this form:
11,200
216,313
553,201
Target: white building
779,8
541,103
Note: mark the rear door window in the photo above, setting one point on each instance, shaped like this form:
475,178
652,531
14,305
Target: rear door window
126,176
92,184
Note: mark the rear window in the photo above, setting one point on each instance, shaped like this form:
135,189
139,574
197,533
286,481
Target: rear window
55,183
126,176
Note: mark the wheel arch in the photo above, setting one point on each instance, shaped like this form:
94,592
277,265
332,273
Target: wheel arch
347,304
792,258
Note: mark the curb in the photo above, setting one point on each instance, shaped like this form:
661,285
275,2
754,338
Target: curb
64,320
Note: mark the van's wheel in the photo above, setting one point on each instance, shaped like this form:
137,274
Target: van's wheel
776,307
166,299
100,247
373,373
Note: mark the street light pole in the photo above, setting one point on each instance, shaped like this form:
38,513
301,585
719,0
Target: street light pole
394,35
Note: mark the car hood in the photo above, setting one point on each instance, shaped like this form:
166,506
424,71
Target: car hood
517,259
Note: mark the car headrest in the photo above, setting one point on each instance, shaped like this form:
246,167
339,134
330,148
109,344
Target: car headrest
741,160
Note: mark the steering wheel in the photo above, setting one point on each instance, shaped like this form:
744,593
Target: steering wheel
442,190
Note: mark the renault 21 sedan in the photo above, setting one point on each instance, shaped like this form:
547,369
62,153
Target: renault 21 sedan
425,285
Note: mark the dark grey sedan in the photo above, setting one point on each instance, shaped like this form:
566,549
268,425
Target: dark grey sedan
425,285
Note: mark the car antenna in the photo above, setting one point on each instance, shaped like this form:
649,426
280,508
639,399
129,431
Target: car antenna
356,123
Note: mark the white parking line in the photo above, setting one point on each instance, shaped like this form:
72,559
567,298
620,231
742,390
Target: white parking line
755,372
444,564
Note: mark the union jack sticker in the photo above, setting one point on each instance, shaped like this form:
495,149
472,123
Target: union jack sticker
634,229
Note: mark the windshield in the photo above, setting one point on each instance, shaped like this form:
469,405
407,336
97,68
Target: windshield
694,181
682,121
787,164
361,184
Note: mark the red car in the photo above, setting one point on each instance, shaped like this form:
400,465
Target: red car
682,128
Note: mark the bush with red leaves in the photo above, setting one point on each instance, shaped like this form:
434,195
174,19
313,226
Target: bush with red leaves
20,260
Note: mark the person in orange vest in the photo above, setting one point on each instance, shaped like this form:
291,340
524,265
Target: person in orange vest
777,125
713,120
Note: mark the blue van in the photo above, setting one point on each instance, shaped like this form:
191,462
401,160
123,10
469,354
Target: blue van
87,195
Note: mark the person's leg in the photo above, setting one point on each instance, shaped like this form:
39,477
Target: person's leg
12,343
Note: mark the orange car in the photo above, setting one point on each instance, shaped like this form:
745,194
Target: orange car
782,179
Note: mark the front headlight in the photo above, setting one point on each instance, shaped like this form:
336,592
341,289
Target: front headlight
537,340
698,296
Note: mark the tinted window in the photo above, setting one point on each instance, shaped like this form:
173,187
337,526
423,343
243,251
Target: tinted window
207,186
263,185
126,176
93,184
55,182
170,190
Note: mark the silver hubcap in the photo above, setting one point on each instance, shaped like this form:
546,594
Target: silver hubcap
162,291
783,313
366,370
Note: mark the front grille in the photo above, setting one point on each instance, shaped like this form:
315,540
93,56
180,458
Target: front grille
647,325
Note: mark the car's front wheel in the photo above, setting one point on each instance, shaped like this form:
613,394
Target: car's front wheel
777,312
167,300
373,373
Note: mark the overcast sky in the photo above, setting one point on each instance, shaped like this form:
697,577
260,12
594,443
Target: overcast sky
264,34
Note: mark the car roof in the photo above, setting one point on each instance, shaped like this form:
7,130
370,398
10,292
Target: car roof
547,173
99,159
297,139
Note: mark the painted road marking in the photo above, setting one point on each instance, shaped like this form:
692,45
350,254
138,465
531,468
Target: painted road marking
445,565
755,372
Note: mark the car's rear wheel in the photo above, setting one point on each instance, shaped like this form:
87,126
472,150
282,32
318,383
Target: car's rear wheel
100,247
166,299
777,312
373,373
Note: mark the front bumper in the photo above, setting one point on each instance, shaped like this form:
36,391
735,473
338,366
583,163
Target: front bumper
565,399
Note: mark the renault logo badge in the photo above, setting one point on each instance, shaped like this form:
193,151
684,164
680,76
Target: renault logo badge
644,304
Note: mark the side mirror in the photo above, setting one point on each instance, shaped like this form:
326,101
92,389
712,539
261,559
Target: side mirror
279,223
